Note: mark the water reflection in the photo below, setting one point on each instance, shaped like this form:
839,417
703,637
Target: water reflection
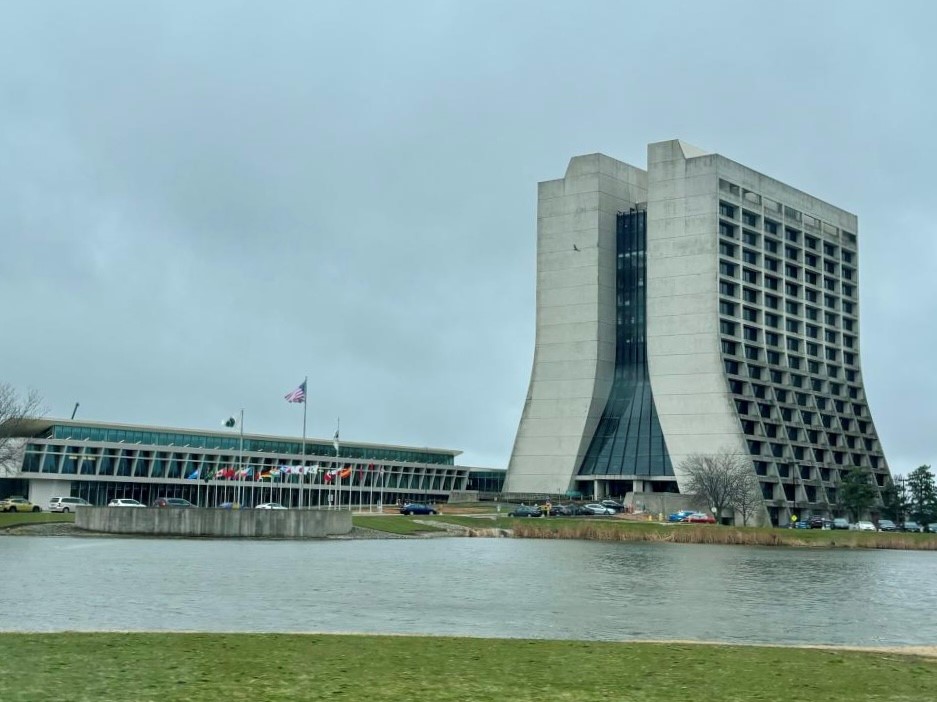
481,587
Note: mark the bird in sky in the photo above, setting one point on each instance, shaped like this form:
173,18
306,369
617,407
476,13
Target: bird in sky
575,248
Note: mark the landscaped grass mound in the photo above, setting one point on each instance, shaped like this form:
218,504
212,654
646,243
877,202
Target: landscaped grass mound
273,667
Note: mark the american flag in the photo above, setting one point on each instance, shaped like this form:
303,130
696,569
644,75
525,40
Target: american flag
298,395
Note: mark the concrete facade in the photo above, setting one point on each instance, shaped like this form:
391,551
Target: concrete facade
752,331
684,352
574,355
222,523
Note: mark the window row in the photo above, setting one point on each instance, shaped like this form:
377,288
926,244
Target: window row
811,289
782,377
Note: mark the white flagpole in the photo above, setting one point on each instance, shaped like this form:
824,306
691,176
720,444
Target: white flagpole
338,429
302,474
241,455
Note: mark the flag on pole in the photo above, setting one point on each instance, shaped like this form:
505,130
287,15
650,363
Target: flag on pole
298,395
335,441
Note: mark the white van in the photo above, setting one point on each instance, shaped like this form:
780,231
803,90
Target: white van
67,504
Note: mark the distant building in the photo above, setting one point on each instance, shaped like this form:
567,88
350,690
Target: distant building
100,461
693,307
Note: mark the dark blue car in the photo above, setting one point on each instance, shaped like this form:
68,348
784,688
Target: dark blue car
416,508
680,516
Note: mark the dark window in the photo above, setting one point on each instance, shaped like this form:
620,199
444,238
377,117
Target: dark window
628,438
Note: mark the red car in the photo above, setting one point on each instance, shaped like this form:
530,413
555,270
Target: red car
699,518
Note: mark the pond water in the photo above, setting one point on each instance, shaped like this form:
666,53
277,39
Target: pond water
471,587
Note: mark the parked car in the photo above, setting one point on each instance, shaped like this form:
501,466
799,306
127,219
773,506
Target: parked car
931,528
818,522
840,523
66,504
416,508
18,504
910,526
526,511
802,524
613,504
886,525
699,518
229,505
597,509
680,516
270,505
172,502
863,526
124,502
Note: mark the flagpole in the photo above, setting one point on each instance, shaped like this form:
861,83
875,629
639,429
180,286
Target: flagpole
302,474
241,454
338,430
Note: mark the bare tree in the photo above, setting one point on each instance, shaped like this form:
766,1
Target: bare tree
716,478
14,410
748,496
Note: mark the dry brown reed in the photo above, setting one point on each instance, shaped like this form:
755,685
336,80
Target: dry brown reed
688,534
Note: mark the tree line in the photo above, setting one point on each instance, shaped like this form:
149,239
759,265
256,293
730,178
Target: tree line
725,480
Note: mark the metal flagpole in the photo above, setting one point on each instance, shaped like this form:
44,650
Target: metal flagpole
302,473
241,456
338,495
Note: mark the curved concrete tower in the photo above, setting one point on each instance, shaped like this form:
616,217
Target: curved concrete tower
693,308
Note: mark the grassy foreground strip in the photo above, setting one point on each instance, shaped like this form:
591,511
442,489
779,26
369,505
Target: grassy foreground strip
194,667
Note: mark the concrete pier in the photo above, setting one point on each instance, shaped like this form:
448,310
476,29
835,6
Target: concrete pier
221,523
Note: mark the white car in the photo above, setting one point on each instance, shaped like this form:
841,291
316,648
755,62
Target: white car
863,526
67,504
270,505
124,502
596,508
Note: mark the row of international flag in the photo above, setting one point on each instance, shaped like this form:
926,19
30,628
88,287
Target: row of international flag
284,472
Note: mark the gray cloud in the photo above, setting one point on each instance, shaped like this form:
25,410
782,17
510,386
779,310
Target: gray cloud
203,202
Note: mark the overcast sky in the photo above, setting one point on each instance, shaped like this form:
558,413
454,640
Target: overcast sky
203,202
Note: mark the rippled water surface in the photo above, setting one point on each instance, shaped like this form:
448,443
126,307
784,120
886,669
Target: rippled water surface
479,587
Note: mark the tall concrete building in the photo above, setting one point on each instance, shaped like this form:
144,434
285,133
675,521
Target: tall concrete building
694,307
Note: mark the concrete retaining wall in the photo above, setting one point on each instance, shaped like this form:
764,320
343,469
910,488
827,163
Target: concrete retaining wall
225,523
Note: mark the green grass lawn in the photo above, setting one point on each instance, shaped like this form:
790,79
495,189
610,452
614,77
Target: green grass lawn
8,519
393,524
274,667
